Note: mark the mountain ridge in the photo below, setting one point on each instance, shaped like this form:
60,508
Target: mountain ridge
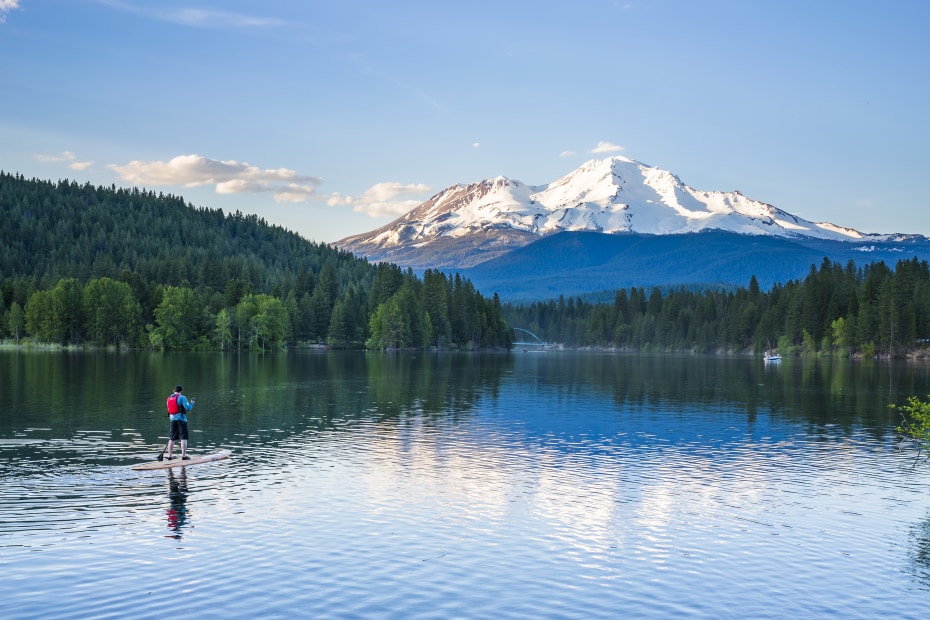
647,227
465,225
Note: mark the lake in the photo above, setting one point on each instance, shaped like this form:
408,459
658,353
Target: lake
523,485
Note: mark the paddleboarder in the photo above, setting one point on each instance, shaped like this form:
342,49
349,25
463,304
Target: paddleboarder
178,407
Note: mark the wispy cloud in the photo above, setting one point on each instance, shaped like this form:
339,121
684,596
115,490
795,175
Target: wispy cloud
228,177
54,159
65,157
195,17
567,154
6,6
384,199
606,147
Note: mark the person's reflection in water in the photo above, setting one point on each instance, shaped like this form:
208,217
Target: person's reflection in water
177,509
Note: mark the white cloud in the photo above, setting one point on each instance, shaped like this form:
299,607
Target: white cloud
6,6
384,199
54,159
228,177
200,18
606,147
566,153
65,156
476,145
219,19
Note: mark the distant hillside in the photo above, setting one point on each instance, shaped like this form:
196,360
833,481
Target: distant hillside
588,263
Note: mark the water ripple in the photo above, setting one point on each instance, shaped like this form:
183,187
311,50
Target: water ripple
491,515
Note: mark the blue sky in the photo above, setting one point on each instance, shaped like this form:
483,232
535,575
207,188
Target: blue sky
332,118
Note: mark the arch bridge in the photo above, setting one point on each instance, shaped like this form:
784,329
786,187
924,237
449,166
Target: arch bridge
536,342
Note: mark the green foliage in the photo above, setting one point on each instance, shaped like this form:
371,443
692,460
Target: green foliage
839,332
16,321
269,324
389,330
177,319
915,425
114,267
222,331
113,314
41,318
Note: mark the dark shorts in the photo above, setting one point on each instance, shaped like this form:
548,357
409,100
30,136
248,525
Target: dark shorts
178,430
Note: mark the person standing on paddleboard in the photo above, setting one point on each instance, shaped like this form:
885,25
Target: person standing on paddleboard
178,407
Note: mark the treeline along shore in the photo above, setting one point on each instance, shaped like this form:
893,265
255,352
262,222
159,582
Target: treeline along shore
96,266
85,265
840,310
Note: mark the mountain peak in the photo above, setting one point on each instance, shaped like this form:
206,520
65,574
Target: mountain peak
613,195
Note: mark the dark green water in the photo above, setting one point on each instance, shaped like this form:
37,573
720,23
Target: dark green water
64,392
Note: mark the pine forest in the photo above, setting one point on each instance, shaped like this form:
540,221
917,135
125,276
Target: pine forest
95,266
85,265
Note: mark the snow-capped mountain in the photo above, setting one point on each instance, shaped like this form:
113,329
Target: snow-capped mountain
465,225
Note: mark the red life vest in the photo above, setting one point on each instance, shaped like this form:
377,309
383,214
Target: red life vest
173,405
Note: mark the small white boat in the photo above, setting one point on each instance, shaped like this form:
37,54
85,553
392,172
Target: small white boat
772,357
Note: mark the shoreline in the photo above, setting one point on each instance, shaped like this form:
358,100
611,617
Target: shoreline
914,355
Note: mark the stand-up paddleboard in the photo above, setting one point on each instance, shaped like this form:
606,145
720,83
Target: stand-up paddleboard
208,458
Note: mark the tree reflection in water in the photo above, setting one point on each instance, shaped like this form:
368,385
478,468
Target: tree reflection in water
920,552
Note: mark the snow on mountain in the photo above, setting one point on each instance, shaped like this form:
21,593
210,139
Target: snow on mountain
613,195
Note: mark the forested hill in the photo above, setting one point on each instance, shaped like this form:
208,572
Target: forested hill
69,230
84,264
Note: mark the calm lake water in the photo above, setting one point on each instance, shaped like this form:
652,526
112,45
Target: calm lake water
528,485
